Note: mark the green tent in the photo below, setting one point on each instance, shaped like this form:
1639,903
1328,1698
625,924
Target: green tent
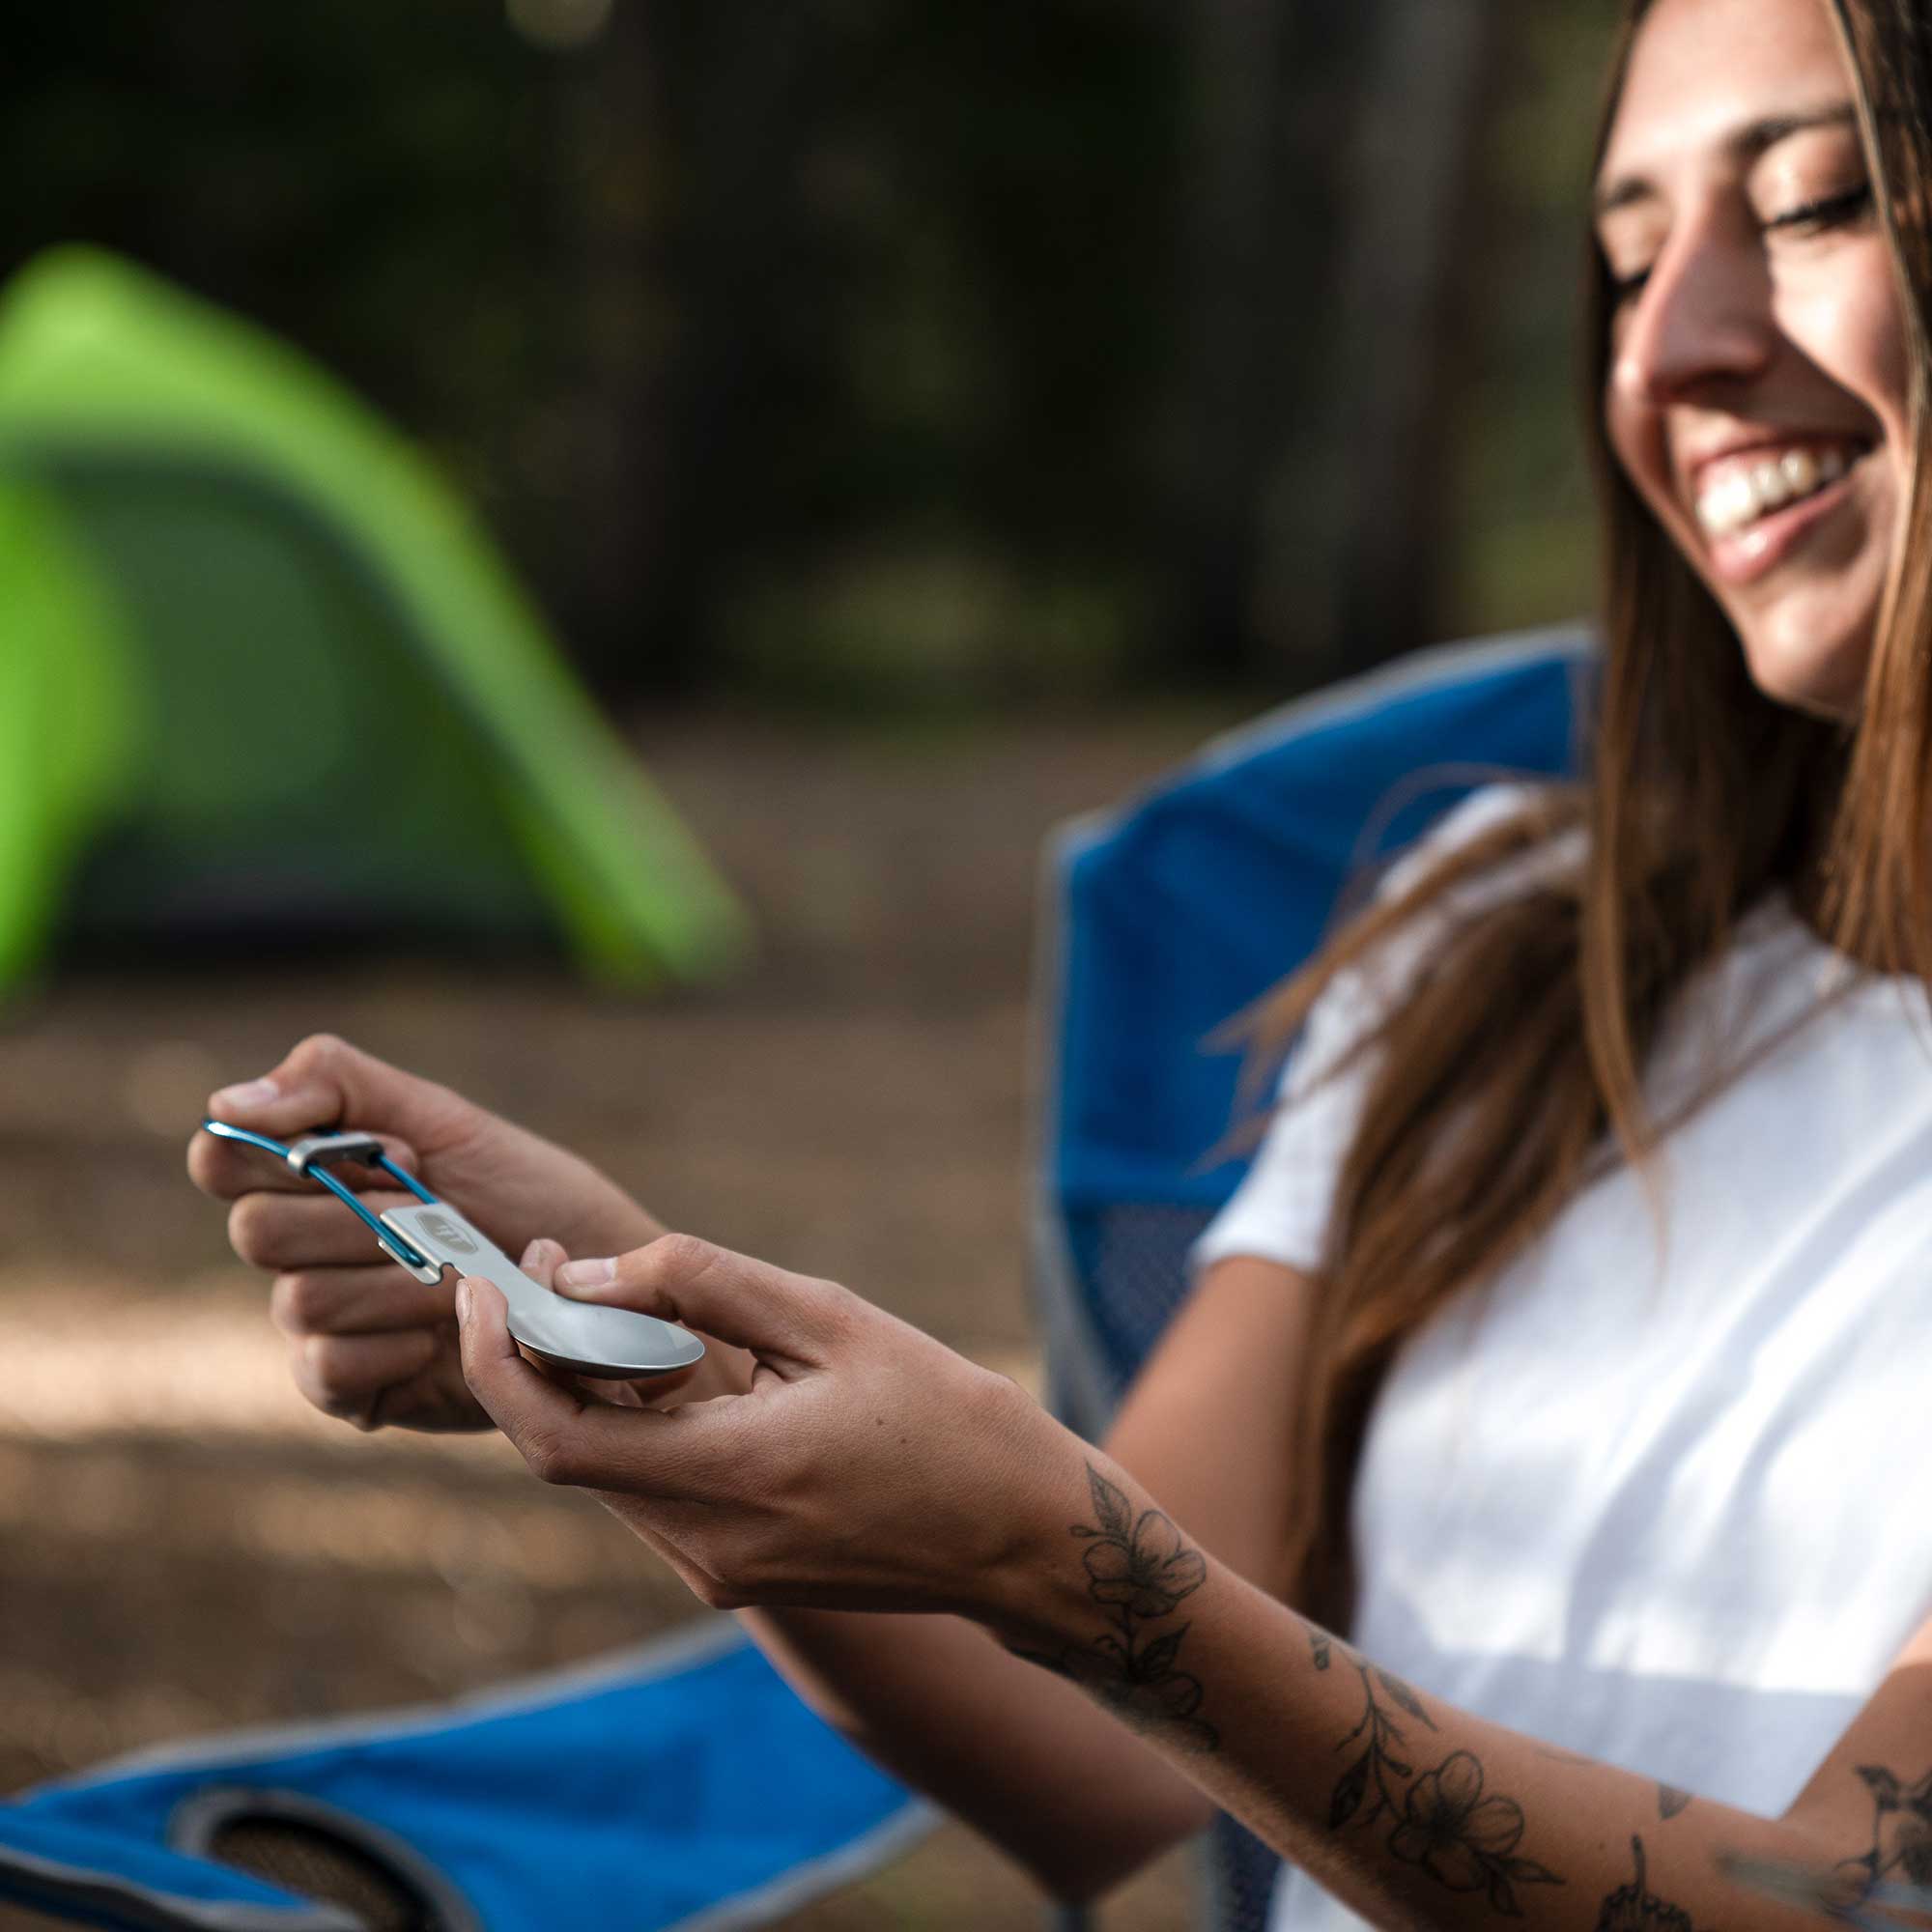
258,668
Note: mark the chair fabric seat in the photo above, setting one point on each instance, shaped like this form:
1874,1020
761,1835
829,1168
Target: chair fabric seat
683,1785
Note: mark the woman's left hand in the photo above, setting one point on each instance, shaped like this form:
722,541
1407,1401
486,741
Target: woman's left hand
867,1467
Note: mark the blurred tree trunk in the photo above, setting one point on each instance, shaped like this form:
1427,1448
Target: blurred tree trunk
1229,390
1412,234
682,138
742,133
611,303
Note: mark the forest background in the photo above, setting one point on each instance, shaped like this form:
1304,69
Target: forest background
877,355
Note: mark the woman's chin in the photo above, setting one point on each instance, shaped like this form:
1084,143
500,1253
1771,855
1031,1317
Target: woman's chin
1828,682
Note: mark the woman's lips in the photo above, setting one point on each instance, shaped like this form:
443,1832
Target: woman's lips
1754,551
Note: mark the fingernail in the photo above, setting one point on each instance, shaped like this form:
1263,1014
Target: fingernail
586,1274
463,1300
247,1093
531,1253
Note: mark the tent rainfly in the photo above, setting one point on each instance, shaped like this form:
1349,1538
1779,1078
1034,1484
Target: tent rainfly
260,669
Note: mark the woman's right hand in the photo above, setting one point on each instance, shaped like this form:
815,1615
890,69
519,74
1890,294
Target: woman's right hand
368,1343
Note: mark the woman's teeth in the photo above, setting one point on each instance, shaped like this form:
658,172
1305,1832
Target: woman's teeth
1738,496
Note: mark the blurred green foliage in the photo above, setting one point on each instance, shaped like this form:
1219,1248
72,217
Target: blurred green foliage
851,353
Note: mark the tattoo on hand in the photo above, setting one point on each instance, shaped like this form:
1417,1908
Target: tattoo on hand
1901,1829
1138,1570
1900,1855
1443,1821
1632,1909
1670,1800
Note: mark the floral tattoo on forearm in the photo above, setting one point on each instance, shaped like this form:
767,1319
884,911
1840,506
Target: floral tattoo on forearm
1636,1908
1367,1776
1138,1570
1443,1820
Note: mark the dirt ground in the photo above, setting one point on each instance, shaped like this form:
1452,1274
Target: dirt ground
186,1547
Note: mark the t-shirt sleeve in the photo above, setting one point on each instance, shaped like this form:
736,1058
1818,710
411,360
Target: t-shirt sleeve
1281,1210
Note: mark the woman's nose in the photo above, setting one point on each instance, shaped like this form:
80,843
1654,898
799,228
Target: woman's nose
1702,322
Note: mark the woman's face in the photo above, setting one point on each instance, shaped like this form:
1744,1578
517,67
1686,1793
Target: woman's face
1759,371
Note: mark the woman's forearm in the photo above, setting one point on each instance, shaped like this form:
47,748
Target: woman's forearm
868,1471
1028,1762
1412,1812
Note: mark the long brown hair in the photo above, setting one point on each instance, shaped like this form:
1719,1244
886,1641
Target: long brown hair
1512,1068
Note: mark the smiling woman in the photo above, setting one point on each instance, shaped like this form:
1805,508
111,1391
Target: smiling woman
1566,1340
1760,394
1758,758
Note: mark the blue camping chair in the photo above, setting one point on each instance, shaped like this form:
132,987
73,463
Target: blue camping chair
1167,918
679,1786
686,1780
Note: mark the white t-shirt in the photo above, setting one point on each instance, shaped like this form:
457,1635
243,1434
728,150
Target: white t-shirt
1666,1511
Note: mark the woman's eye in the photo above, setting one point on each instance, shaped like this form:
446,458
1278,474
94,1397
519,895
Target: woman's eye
1626,285
1834,211
1820,216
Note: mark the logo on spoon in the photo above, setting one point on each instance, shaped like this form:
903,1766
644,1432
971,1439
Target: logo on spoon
439,1229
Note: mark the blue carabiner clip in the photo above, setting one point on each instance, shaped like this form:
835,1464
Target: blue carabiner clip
583,1337
310,1156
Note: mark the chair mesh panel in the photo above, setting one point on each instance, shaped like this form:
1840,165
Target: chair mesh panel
1136,1268
314,1862
1241,1878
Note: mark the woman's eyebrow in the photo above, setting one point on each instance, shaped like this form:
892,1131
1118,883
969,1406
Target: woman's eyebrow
1746,144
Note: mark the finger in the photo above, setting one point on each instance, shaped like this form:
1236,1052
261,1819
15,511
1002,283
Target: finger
326,1083
380,1300
542,1261
344,1374
314,1229
539,1261
781,1317
229,1169
563,1435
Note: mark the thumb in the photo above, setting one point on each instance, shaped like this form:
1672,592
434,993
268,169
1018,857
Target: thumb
781,1317
564,1438
324,1082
